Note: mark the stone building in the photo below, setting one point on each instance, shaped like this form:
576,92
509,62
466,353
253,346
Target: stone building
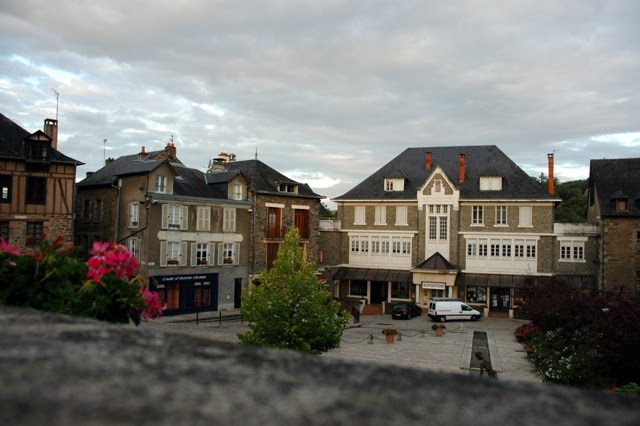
189,229
36,185
614,207
461,222
277,204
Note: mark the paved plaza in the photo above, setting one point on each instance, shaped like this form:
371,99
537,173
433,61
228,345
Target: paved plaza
417,347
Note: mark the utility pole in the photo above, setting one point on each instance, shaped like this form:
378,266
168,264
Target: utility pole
104,151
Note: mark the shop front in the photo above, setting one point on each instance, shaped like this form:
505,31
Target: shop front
186,293
435,277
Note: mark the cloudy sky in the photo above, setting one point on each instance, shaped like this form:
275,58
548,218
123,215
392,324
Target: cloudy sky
327,91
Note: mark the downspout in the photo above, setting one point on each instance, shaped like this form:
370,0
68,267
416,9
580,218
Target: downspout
115,234
253,234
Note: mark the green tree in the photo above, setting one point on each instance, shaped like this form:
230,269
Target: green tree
291,308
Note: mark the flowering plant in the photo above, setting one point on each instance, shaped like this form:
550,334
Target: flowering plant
434,327
390,331
54,279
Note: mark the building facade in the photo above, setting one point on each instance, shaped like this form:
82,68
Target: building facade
36,186
277,204
614,208
461,222
189,230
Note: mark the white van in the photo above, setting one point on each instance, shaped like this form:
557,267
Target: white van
445,308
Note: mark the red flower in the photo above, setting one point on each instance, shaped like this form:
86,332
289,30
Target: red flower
153,307
8,248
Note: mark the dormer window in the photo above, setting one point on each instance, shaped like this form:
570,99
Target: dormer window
393,184
237,191
38,150
437,186
288,187
622,205
161,184
621,201
491,183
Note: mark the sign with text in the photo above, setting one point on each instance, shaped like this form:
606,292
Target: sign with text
433,286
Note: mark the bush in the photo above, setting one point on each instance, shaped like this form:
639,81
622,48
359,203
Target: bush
587,338
291,308
54,279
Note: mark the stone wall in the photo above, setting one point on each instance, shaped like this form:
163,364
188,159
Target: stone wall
58,370
621,258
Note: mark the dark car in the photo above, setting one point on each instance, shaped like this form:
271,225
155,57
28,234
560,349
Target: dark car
405,310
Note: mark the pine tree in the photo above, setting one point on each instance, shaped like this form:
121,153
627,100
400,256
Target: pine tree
291,308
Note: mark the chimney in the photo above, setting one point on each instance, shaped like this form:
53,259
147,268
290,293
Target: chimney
51,130
171,150
551,184
461,174
427,161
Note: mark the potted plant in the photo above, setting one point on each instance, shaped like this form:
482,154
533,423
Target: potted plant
438,328
202,261
172,261
390,333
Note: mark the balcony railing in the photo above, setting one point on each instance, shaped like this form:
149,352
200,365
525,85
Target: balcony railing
275,231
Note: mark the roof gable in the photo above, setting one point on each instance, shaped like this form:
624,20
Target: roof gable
616,179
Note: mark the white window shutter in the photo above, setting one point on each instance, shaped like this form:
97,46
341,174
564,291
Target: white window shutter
220,253
207,220
130,215
194,260
185,218
236,254
163,253
183,254
210,259
165,216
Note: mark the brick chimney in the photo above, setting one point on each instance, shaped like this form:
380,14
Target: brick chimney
51,130
171,150
427,161
551,184
461,174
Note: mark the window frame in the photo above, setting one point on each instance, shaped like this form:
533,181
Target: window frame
134,215
6,182
31,232
477,215
161,184
525,216
402,215
229,219
502,216
36,190
360,215
380,215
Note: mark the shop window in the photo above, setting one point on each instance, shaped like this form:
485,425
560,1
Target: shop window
201,295
437,293
476,294
401,290
358,288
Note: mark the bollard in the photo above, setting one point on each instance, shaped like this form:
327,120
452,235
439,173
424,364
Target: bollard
371,339
220,318
422,332
399,336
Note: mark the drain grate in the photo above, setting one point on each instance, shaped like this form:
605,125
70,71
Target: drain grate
480,344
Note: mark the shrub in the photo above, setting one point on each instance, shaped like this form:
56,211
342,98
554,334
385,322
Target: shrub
54,279
291,308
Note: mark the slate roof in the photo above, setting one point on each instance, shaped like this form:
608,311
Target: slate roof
12,138
484,160
265,180
436,262
188,182
614,179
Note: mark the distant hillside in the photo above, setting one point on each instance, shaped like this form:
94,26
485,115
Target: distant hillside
573,208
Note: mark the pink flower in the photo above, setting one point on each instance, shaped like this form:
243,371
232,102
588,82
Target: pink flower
7,248
109,258
153,307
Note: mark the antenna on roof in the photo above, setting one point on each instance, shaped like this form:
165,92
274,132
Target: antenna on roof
57,98
104,151
256,152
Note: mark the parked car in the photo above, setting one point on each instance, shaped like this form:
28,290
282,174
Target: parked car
405,310
444,308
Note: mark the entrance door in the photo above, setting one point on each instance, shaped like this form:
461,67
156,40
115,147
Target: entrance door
500,299
237,293
378,292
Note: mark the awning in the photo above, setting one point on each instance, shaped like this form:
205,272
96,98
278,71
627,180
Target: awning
521,281
365,274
